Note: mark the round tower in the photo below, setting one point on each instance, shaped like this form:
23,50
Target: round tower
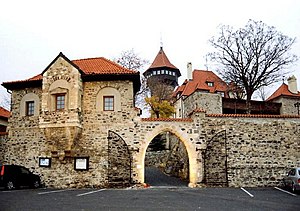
162,72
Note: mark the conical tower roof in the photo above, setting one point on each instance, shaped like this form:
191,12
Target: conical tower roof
161,61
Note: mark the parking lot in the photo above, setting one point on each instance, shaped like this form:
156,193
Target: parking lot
153,198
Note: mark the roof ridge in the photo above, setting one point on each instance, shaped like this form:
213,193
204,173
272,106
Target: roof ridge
88,58
254,115
150,119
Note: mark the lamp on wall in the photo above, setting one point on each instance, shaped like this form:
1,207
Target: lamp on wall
297,105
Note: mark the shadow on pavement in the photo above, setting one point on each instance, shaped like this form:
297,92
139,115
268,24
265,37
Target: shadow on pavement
154,177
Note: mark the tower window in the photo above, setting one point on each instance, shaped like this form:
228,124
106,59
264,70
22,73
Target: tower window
154,72
158,72
162,71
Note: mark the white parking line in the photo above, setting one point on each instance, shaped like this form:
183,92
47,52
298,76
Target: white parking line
285,191
53,191
87,193
247,192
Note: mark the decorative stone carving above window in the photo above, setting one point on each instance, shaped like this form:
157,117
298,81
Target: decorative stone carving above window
58,88
59,94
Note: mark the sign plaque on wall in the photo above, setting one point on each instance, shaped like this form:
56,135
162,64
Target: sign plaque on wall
81,163
44,162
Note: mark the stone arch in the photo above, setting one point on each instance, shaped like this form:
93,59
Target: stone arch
184,138
108,91
30,97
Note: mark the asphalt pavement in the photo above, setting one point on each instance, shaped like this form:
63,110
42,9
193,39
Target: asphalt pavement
232,199
154,177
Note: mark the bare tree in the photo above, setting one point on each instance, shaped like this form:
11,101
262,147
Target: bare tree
5,101
252,57
262,93
131,60
160,88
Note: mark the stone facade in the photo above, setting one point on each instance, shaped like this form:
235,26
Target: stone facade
232,150
257,151
288,105
210,102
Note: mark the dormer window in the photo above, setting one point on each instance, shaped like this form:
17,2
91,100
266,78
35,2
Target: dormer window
60,102
210,84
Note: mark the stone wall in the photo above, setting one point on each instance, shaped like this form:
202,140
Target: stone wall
212,103
288,106
259,151
177,162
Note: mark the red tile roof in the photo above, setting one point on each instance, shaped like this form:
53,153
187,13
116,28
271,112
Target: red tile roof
200,82
167,119
253,116
283,90
91,66
197,110
101,66
161,60
4,113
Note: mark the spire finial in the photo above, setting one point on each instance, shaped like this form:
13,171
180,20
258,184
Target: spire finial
161,42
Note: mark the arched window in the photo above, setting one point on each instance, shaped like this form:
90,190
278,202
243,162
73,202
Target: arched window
108,99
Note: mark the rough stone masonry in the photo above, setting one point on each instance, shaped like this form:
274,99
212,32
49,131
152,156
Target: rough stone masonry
223,150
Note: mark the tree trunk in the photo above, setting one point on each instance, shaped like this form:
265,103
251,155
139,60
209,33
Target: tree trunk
248,102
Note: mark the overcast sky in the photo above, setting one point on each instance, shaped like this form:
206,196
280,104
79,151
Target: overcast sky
32,33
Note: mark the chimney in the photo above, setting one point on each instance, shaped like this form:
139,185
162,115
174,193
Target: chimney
189,71
292,84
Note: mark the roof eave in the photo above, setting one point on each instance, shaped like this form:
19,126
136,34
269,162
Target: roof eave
22,84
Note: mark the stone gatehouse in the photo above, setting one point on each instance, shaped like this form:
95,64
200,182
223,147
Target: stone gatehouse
76,125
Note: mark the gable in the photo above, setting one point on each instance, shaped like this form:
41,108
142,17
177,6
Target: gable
283,91
203,80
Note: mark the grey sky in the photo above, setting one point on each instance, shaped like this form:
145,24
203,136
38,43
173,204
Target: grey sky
33,32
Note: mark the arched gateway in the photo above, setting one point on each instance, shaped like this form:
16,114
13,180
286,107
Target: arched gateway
184,134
